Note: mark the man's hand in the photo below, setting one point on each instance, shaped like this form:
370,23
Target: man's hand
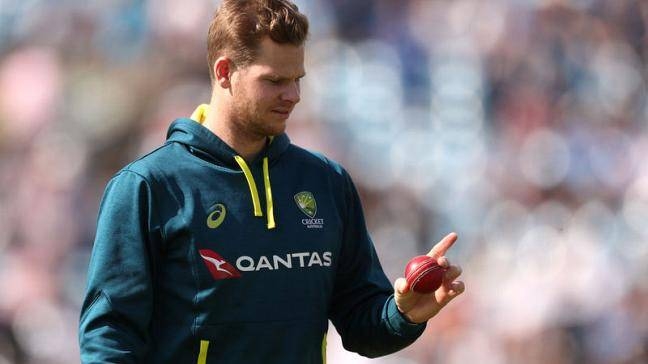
419,307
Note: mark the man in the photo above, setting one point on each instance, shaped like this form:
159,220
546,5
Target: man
195,262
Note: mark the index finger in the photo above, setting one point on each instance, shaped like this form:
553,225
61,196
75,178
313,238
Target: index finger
442,247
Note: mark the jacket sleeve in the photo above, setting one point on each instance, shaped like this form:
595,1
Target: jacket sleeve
363,308
117,310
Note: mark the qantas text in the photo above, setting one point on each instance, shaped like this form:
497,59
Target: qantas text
292,260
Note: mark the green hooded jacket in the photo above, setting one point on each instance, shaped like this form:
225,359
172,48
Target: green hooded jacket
202,258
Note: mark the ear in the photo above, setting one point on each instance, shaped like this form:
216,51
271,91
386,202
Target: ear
223,68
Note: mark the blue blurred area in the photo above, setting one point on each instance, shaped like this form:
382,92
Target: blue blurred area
522,125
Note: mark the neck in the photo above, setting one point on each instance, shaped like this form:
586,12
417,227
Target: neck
246,144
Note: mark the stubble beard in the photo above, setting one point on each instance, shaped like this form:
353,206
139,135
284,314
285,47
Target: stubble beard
250,121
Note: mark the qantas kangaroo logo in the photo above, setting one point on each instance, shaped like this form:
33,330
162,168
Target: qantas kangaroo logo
221,269
218,267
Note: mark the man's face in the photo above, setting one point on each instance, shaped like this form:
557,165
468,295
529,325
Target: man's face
266,91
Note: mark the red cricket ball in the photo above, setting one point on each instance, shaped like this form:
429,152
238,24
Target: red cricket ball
423,274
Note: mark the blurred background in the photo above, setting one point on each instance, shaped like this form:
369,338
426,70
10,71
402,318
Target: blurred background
520,124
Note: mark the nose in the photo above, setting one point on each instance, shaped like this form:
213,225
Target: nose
292,93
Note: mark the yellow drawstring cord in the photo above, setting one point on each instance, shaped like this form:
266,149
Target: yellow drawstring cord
200,115
251,185
255,193
202,355
268,192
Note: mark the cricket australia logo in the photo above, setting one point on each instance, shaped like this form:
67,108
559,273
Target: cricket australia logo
307,204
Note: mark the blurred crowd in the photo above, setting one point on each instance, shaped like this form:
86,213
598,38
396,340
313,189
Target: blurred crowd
520,124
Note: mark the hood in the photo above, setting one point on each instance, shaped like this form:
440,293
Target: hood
201,140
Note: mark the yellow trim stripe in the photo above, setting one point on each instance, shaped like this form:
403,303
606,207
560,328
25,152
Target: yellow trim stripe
251,185
324,349
268,193
202,356
200,114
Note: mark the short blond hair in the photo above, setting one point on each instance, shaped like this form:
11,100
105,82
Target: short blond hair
238,26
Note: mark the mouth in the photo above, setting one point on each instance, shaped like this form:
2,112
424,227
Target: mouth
281,112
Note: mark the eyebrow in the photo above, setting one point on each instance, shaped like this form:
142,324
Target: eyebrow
278,77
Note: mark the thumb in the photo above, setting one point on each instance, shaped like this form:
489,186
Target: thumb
401,286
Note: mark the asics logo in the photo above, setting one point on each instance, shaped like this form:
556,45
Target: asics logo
216,218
